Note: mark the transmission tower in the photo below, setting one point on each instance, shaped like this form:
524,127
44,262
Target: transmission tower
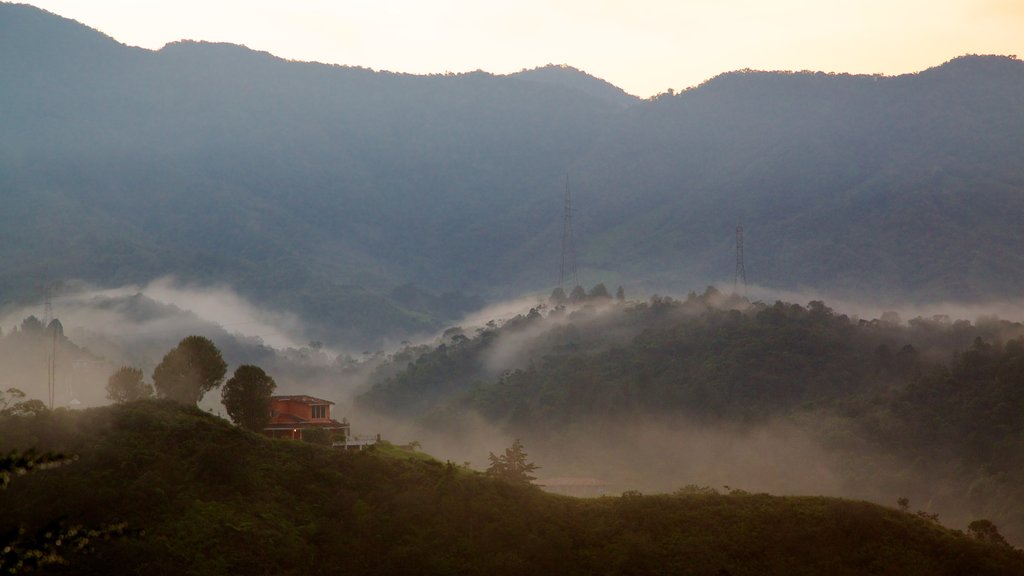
52,330
51,345
47,309
568,270
740,280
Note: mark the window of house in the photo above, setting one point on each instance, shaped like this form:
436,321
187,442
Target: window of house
319,411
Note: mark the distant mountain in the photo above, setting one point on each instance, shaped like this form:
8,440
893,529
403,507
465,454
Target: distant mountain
320,189
567,76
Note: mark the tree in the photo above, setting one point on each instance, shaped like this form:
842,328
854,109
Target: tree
620,294
578,294
246,396
557,296
599,291
126,385
193,368
986,531
512,465
12,403
315,435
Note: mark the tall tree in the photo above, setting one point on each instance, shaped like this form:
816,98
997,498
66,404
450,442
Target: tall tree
126,385
246,396
193,368
512,466
12,403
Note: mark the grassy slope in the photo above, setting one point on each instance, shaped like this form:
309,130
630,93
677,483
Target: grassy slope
213,499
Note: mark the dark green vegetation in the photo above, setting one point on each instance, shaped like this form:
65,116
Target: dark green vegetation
190,370
334,192
126,385
214,499
512,466
930,409
246,396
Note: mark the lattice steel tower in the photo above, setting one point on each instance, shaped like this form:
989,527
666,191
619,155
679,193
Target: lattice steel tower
568,269
740,280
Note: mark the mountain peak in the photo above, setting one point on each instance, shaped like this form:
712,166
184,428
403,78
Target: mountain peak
574,78
23,26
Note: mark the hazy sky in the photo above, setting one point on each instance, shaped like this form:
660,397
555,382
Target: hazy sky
643,46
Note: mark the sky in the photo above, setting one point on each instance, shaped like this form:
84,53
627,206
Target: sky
643,46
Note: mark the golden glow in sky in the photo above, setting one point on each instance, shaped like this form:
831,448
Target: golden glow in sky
642,46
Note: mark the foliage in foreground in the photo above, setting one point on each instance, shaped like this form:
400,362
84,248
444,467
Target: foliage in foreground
22,551
215,499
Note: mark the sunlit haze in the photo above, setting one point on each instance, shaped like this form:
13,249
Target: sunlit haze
642,46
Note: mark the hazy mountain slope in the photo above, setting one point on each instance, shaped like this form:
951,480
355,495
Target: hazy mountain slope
902,185
564,75
210,498
296,183
319,188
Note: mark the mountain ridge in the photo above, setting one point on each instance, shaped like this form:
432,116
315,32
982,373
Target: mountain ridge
292,181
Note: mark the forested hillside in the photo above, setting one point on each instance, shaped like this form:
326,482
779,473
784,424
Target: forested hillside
931,409
195,495
320,189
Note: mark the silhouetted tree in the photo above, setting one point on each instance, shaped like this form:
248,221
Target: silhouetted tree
986,531
512,465
31,325
578,294
193,368
246,396
599,291
558,296
12,403
620,294
126,385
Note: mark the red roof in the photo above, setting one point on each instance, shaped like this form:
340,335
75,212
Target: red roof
301,399
330,424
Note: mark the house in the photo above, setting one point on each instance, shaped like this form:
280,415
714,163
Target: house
290,415
579,487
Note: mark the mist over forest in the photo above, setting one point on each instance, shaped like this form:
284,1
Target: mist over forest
391,242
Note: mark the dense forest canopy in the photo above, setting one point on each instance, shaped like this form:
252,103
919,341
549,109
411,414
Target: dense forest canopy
929,407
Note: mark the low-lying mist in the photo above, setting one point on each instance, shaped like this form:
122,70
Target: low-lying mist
819,444
811,452
137,325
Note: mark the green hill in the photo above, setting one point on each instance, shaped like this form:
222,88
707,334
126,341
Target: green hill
213,499
629,392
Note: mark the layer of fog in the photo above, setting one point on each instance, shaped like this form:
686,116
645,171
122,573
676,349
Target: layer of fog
137,325
663,455
813,456
868,308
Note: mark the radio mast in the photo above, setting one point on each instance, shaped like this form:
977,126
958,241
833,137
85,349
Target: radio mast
568,270
740,280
